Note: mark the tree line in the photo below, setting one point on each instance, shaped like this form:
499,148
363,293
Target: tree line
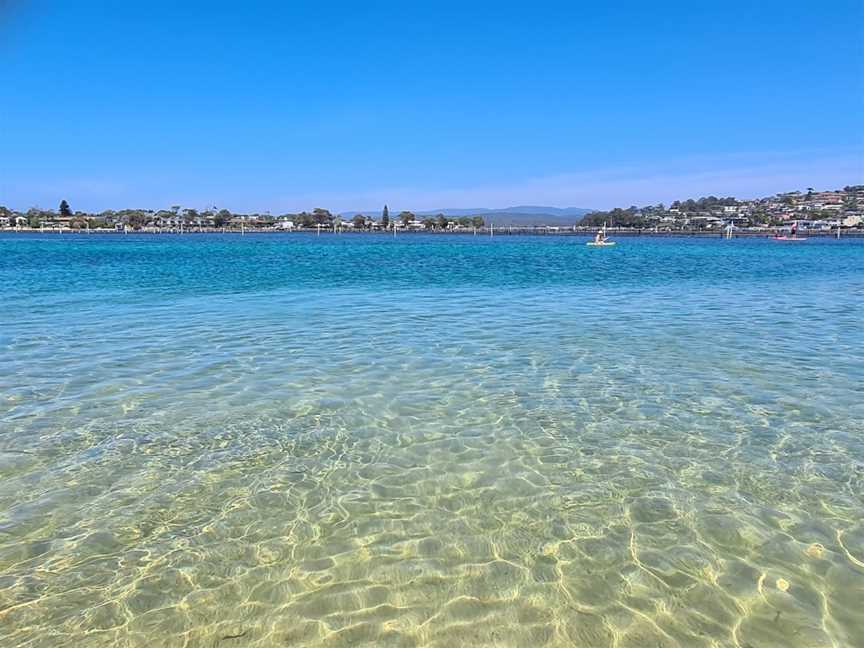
643,216
176,215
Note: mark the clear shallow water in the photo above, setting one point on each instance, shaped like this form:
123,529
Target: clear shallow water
430,441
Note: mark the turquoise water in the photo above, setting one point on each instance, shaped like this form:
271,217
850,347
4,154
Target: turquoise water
292,440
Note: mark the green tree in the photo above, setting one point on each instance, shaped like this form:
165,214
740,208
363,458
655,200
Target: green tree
135,217
406,217
222,218
441,221
359,221
65,211
385,217
304,219
322,216
477,222
34,217
631,217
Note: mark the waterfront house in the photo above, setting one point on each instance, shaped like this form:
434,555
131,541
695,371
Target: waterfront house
12,221
706,222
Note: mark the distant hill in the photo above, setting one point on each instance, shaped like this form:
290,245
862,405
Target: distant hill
519,215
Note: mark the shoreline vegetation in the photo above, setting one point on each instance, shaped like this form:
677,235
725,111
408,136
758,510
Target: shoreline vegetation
816,213
855,232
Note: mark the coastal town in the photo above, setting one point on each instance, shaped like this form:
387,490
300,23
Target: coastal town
813,211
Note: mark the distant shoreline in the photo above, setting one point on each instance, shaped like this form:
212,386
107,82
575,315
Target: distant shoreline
496,231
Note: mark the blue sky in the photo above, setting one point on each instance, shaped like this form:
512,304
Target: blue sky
289,105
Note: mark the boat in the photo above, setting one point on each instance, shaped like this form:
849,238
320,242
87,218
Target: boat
603,242
793,235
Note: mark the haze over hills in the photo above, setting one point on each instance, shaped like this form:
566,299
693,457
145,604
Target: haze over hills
518,215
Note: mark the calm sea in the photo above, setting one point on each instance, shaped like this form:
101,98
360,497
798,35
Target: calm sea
291,440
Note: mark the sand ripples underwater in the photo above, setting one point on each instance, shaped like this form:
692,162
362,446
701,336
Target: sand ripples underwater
635,464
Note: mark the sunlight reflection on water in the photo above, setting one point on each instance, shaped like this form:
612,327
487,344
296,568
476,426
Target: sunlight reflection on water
452,449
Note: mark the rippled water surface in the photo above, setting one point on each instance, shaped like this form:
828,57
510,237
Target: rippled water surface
430,441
